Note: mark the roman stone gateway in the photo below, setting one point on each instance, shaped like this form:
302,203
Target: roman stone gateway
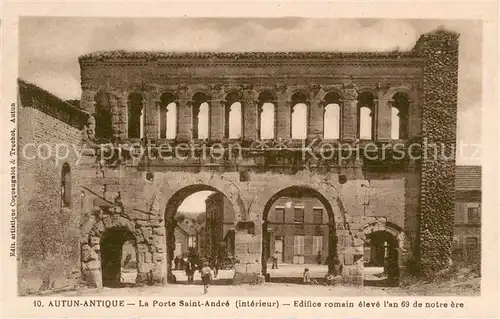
161,126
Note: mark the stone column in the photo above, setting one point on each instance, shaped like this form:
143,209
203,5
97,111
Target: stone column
250,114
115,114
123,115
349,113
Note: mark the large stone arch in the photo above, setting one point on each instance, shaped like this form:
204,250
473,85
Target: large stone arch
326,186
207,180
307,191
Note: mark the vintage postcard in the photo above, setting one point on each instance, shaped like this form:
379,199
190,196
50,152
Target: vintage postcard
250,160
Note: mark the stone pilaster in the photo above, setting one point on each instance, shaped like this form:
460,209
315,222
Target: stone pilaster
150,115
248,252
185,114
283,117
87,101
316,113
217,110
123,115
349,113
115,114
250,114
384,114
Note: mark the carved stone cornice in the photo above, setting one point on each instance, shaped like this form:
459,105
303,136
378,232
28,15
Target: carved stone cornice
208,57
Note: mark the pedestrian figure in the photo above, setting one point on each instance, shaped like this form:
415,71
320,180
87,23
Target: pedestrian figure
329,279
206,276
216,266
275,260
177,260
392,272
307,277
190,269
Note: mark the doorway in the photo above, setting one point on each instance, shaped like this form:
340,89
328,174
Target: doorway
278,247
114,259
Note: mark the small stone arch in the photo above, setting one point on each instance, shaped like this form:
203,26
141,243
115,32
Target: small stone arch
134,89
201,90
397,89
332,92
230,120
230,94
103,221
168,96
381,224
298,93
266,95
368,89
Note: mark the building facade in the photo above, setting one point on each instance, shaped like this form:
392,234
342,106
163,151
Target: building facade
298,231
158,128
467,233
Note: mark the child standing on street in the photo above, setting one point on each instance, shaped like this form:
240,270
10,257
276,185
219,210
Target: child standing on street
206,276
307,277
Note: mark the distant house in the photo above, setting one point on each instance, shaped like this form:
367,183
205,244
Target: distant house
186,236
467,230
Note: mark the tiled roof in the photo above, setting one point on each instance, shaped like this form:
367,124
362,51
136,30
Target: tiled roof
34,96
468,178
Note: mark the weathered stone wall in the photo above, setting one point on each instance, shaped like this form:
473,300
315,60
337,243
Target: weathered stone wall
439,118
47,232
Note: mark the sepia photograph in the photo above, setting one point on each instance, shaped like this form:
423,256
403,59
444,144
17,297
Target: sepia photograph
263,161
247,151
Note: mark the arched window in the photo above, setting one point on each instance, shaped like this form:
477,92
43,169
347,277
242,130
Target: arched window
167,116
399,116
66,186
299,116
201,116
331,116
233,119
135,116
366,107
102,116
266,115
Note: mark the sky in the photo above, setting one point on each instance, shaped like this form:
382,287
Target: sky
49,48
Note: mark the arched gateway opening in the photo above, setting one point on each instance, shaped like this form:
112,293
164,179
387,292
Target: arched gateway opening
118,257
298,233
381,259
199,222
